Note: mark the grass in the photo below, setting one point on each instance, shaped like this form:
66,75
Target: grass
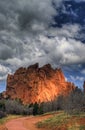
9,117
77,127
63,121
5,119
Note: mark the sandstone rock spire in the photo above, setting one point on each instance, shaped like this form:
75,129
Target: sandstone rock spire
34,84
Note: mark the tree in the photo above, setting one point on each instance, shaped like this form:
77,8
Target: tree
75,102
40,111
35,109
2,105
13,107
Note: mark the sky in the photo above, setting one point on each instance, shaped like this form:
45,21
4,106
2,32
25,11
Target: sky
43,31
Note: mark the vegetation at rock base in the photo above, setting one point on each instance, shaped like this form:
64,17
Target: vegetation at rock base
75,102
71,104
14,107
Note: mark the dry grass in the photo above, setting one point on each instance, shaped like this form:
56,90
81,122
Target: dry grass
63,121
5,119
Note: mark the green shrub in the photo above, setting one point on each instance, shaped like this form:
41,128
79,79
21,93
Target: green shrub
2,114
35,109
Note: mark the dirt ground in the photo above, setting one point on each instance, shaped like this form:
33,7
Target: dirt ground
26,123
2,127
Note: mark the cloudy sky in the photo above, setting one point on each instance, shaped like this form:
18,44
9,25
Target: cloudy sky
44,31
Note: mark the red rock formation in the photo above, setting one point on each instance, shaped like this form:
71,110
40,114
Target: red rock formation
34,84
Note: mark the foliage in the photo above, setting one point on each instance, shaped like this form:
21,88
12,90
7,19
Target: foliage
2,105
14,107
54,105
7,118
35,109
2,114
75,103
40,110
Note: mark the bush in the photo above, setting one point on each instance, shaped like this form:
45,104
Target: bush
47,107
72,104
27,110
58,103
2,114
13,107
16,107
2,105
35,109
54,105
75,102
40,111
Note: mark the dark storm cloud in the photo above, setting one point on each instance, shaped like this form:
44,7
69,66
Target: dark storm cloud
5,54
18,21
25,28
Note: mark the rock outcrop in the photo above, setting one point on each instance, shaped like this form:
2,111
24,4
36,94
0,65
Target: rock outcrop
34,84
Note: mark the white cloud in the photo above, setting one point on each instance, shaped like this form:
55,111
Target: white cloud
24,31
2,78
67,31
58,50
63,51
4,70
77,78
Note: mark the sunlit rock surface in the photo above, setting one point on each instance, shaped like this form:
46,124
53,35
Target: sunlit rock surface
34,84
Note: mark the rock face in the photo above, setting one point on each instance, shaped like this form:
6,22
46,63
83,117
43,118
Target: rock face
34,84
